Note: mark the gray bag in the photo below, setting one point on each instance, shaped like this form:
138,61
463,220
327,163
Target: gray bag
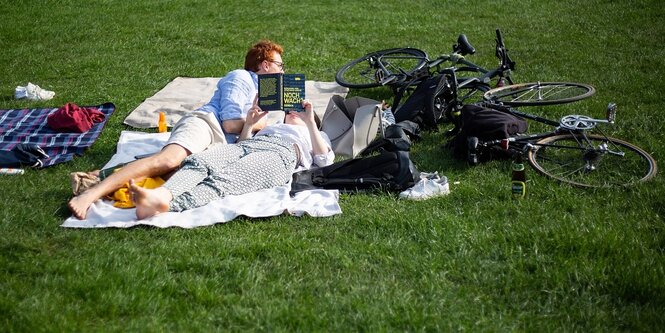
351,124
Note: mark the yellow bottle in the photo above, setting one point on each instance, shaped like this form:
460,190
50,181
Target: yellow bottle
161,124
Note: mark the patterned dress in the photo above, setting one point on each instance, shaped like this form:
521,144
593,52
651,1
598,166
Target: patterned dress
264,161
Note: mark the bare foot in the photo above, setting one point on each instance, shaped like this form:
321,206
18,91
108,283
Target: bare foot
79,204
149,202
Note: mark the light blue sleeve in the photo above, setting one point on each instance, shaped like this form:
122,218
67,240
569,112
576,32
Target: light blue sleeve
234,96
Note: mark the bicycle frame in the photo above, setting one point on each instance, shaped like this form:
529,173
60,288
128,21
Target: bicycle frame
401,82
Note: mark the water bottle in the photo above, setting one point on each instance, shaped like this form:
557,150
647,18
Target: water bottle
518,183
161,124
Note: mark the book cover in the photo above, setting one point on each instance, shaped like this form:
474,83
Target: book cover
281,92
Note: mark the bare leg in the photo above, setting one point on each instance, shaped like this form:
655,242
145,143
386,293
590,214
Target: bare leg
149,202
168,159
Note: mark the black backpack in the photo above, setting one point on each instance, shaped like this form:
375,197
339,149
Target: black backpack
484,124
396,137
392,171
418,107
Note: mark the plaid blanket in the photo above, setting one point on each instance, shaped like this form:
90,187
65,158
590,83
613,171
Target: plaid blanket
29,126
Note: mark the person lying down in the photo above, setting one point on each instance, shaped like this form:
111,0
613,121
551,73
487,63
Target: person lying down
266,160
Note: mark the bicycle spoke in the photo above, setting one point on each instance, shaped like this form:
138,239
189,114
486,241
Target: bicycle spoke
543,93
529,93
559,166
540,93
572,172
367,73
555,92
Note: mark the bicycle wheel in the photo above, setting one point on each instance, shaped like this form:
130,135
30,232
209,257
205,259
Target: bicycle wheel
539,93
588,160
366,72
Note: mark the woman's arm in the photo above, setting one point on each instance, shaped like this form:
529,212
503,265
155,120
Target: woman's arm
319,144
253,122
322,153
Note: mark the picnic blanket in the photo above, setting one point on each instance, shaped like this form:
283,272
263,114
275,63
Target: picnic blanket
186,94
263,203
29,126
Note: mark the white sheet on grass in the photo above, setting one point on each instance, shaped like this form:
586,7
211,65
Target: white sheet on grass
264,203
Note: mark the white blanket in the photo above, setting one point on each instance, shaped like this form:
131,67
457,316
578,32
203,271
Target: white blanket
264,203
186,94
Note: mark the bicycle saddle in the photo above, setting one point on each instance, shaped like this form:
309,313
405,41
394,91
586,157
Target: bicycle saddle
463,46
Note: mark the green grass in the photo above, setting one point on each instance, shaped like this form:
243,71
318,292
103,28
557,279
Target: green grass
563,259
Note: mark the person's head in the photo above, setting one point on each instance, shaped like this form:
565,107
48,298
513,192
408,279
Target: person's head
293,118
265,57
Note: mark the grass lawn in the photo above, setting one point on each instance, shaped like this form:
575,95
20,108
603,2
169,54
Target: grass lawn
563,259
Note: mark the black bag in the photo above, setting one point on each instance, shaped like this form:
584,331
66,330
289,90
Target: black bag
23,155
396,137
392,171
485,124
418,106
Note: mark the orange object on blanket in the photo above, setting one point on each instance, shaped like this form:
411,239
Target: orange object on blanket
161,123
123,199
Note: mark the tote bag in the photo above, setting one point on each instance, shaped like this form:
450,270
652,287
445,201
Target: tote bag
351,124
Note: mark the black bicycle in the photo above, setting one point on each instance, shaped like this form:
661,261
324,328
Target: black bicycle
459,81
576,151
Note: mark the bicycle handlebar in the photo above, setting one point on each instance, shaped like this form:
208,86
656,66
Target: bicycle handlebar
502,52
499,39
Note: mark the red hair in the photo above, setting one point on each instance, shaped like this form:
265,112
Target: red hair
263,50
